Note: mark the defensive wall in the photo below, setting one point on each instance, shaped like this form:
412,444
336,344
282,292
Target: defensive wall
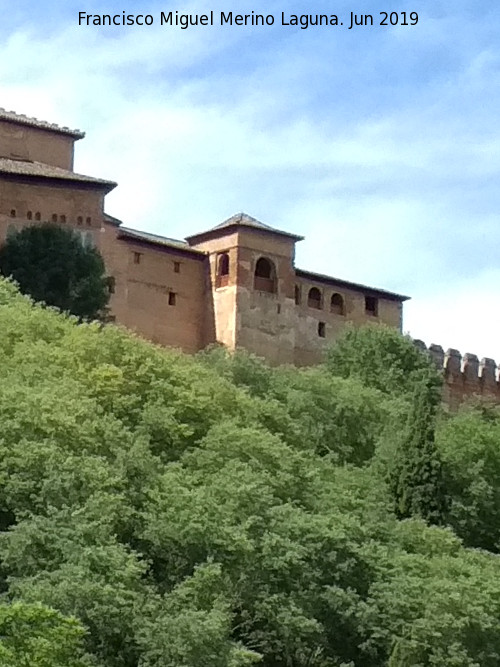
465,377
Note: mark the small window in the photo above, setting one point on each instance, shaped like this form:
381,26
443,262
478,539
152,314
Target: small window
111,284
29,215
314,299
63,218
337,304
137,257
13,213
223,264
38,216
79,220
88,221
321,329
222,277
371,306
54,217
177,267
297,295
171,298
278,308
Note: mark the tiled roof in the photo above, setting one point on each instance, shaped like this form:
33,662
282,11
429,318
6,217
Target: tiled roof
41,170
244,220
112,220
337,282
13,117
127,232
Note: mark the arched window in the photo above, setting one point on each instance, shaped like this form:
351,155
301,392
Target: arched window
265,276
38,216
222,277
337,304
314,299
29,215
297,295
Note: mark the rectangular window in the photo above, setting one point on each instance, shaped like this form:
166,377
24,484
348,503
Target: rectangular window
171,298
177,267
111,284
371,306
321,329
137,257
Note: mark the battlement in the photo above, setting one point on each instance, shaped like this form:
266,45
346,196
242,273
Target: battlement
465,377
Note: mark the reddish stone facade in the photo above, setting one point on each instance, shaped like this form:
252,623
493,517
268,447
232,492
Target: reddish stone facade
234,284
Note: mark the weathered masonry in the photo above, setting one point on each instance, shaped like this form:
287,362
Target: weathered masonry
236,284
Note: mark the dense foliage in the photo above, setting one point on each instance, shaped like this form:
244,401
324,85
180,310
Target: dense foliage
159,510
52,265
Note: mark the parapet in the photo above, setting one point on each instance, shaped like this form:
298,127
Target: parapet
465,377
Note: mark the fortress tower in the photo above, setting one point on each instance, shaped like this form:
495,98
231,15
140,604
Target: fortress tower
252,281
234,284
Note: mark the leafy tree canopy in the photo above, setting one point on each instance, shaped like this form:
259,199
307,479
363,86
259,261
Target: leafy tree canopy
160,510
52,265
381,358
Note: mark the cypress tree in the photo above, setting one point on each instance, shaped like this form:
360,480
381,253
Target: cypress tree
416,478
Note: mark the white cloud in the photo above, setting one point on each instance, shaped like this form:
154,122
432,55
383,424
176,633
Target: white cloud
389,168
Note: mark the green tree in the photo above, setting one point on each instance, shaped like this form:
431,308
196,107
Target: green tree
51,265
380,357
416,476
35,635
469,444
219,513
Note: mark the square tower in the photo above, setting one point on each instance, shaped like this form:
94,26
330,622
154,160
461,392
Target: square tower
252,278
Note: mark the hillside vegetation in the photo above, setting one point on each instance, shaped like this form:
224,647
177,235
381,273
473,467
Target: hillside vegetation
160,510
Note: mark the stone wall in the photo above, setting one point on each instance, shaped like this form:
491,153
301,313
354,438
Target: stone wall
22,142
465,377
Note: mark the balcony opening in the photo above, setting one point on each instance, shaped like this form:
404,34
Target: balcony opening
265,276
222,277
337,304
314,299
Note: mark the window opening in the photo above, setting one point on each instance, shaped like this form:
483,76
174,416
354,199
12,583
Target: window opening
337,304
265,276
314,298
371,306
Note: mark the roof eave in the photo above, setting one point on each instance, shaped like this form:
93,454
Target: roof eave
127,235
223,231
107,186
26,121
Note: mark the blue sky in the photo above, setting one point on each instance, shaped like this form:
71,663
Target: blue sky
379,144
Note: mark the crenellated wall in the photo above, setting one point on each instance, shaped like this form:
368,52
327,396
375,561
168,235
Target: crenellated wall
464,377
